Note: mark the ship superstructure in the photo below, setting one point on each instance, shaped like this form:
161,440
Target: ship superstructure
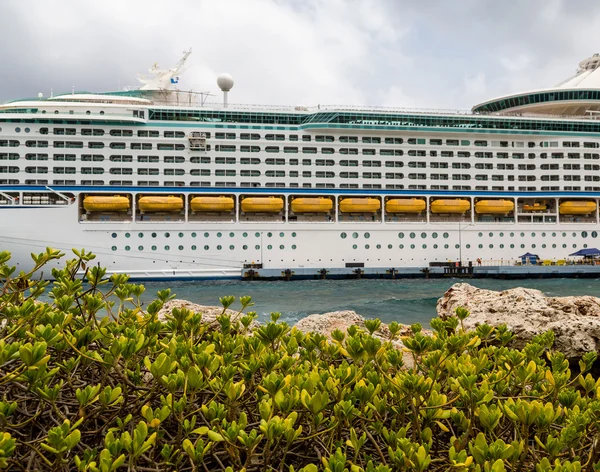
161,184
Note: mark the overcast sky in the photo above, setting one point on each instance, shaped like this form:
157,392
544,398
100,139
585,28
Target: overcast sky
425,54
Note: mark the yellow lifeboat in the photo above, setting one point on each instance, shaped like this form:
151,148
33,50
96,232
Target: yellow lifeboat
454,206
578,207
106,203
360,205
535,207
405,205
312,205
262,205
212,204
160,203
494,207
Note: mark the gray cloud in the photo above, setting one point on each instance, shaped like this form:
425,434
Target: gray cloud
432,53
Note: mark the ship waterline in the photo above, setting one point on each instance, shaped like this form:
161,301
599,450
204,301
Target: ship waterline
161,186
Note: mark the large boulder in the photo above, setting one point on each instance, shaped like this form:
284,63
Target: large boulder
527,313
209,313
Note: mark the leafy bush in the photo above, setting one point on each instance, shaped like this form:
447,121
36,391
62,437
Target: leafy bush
93,381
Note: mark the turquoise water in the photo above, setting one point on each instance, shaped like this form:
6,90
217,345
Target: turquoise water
405,301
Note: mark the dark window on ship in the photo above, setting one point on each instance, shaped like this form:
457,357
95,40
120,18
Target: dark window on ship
324,162
29,157
144,171
41,144
64,157
121,171
275,173
255,173
120,182
204,172
147,158
200,160
177,134
119,146
92,170
148,183
121,132
392,164
95,145
9,143
28,170
174,159
253,136
149,134
392,175
119,158
64,131
173,172
249,160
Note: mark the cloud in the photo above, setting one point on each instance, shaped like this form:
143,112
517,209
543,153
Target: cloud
432,54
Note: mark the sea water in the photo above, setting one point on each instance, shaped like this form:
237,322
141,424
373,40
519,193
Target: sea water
406,301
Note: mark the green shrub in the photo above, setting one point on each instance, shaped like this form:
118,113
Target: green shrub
93,381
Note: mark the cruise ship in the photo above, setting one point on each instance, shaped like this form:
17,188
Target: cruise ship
162,184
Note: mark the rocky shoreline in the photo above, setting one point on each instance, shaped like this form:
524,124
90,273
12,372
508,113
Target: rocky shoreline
526,312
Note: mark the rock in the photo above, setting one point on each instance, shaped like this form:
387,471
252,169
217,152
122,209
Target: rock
209,313
527,313
328,322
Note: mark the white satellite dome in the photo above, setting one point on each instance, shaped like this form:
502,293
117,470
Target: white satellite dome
225,82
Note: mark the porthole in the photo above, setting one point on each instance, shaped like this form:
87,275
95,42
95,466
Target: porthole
522,235
257,234
533,246
412,246
154,248
269,234
167,248
127,248
512,235
446,235
367,235
206,235
114,248
206,248
491,235
424,246
257,247
435,246
244,247
412,235
533,235
401,246
244,234
269,247
378,246
27,130
594,234
401,235
140,235
434,235
127,235
564,235
354,246
367,246
543,235
219,235
231,247
17,130
114,235
355,235
522,246
585,246
181,235
574,234
343,235
491,246
501,234
457,246
423,235
193,248
584,234
293,235
293,246
180,248
501,246
193,235
554,235
219,247
480,235
140,248
231,235
512,246
480,246
468,246
543,246
446,246
281,234
554,246
574,246
390,246
167,235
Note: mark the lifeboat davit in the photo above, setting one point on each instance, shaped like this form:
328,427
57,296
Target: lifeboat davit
262,205
360,205
405,205
160,203
312,205
106,203
454,206
535,207
577,207
212,204
494,207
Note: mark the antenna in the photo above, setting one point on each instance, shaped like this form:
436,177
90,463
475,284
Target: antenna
225,83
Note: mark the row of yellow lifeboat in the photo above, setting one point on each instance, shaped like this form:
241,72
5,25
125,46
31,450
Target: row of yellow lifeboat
271,204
